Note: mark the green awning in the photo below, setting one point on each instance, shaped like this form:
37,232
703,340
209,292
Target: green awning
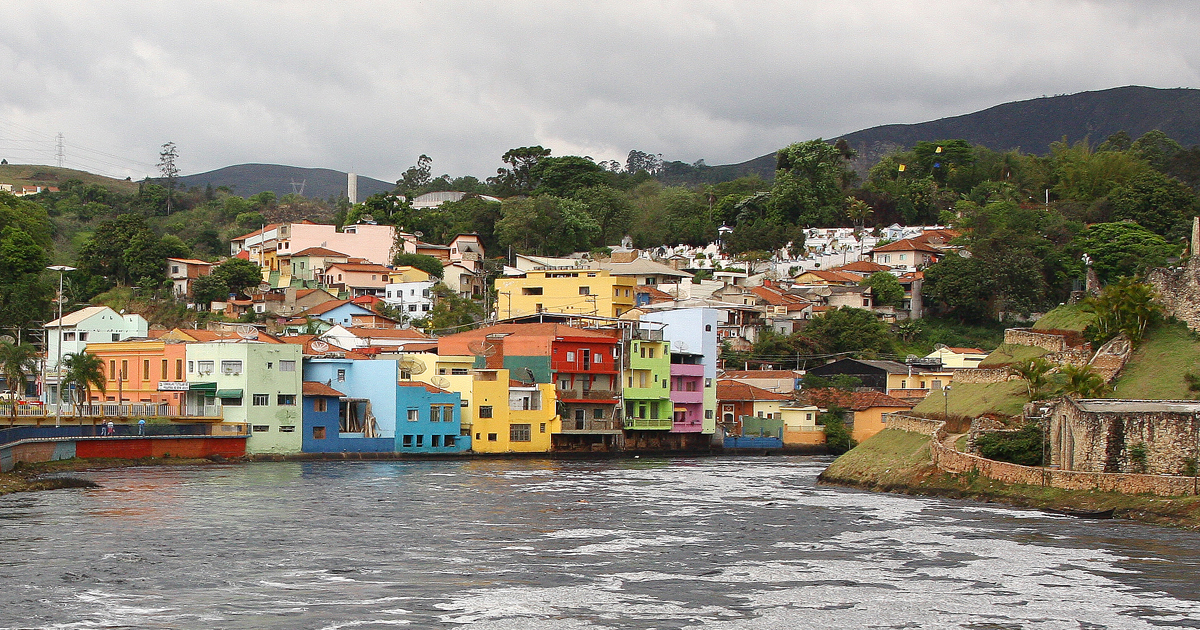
203,387
229,393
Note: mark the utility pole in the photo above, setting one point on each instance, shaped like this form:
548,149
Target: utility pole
61,269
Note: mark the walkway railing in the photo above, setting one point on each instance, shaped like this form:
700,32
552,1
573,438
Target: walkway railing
14,434
113,410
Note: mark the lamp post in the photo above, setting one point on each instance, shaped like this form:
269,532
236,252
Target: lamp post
945,403
61,269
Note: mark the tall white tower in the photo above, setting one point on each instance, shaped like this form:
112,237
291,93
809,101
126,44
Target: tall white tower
352,187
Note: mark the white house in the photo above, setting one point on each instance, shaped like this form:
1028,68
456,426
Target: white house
414,299
87,325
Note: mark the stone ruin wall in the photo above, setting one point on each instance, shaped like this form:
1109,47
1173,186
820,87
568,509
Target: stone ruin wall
1026,337
1178,290
980,375
1102,442
953,461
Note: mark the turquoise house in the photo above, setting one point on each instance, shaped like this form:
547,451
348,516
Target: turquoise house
378,411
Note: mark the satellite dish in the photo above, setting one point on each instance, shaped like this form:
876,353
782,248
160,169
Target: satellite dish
7,339
482,348
249,335
529,378
319,346
940,346
264,287
251,291
440,381
681,346
412,365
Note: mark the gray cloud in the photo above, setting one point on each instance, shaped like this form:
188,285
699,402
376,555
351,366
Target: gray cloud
368,86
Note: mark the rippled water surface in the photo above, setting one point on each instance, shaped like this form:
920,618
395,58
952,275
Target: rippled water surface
684,543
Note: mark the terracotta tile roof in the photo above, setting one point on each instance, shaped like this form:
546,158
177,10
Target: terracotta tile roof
854,401
907,245
265,228
387,333
209,336
865,267
349,266
325,307
192,261
830,275
318,251
733,390
313,388
429,388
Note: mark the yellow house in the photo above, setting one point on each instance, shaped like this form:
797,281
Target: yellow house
864,409
918,384
573,291
958,357
512,417
800,425
407,274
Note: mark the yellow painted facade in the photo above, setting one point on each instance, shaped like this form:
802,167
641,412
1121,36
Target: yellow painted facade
511,419
928,381
800,425
572,291
408,274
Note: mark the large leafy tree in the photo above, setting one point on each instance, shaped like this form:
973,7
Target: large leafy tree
1162,204
1124,249
562,176
428,264
546,225
24,296
83,371
808,184
610,209
518,179
885,289
1126,306
851,329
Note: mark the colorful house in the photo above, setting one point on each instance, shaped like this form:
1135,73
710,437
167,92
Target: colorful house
570,291
647,383
512,416
381,411
148,371
76,330
693,336
738,400
256,383
864,410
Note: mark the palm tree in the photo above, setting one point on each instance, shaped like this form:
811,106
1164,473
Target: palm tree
83,370
1084,382
1035,374
17,362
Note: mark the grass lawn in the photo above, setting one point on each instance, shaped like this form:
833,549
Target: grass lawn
969,400
1009,354
1156,369
1065,317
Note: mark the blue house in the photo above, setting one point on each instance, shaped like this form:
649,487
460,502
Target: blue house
376,411
338,312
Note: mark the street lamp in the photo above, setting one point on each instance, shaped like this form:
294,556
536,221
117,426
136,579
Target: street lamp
61,269
946,403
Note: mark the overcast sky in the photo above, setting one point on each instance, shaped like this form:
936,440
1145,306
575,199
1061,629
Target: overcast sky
367,87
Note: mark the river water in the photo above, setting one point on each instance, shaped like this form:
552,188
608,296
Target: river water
722,543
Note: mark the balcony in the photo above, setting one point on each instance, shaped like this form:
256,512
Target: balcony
567,395
654,424
680,396
573,425
115,410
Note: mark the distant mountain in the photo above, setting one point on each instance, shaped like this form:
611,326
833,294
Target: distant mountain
1026,125
251,179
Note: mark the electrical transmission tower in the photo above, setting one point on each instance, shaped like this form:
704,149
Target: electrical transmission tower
298,189
58,149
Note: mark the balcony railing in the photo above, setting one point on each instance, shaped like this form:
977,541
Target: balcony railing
648,423
113,410
586,394
606,424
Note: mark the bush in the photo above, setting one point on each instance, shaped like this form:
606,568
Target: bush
1024,447
837,435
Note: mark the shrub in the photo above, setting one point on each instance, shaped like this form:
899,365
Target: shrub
1024,446
837,435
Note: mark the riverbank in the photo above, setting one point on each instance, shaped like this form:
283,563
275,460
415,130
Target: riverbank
53,475
901,462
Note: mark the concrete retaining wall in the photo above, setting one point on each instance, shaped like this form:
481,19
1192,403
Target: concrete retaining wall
53,449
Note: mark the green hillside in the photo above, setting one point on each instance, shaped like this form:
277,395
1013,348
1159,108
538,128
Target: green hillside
969,400
1007,354
1156,369
1065,317
38,175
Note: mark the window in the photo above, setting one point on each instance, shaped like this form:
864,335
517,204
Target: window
116,337
708,328
459,371
570,357
124,370
261,400
408,441
204,367
531,290
112,370
285,400
412,308
341,376
145,369
435,441
585,290
287,366
492,437
485,411
261,428
287,428
420,440
320,404
448,441
598,413
165,370
179,369
69,336
519,433
902,256
708,413
542,428
425,308
319,432
413,415
232,402
435,413
597,357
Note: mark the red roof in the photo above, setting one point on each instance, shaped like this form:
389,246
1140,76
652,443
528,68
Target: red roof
349,266
861,267
907,245
733,390
313,388
318,251
257,232
854,401
830,275
325,307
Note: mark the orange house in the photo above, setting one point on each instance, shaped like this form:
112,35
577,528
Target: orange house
142,372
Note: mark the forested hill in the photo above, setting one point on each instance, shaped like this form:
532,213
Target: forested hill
1026,125
251,179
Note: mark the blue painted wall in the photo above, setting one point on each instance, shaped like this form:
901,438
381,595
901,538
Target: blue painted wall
335,442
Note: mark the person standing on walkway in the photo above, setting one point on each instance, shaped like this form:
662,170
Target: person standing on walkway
112,429
142,426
